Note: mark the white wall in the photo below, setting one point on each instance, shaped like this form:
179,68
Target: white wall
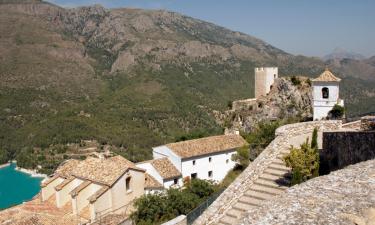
82,197
164,151
218,166
170,183
102,205
49,190
121,196
151,171
63,196
321,106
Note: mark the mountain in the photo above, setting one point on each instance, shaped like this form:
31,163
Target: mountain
339,53
132,78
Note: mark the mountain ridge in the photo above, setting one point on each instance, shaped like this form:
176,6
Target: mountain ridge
133,78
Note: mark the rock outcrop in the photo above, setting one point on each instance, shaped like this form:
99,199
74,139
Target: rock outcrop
285,100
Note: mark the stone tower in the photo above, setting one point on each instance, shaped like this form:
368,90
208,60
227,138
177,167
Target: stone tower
264,79
325,94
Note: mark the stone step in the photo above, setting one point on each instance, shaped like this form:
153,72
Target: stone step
265,189
276,172
271,184
283,181
228,220
278,161
259,195
250,200
242,206
279,167
235,213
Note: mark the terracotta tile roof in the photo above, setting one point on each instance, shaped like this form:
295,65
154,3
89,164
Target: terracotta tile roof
327,76
151,183
207,145
66,168
103,171
165,168
36,212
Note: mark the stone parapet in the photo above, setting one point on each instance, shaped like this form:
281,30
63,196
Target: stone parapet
283,134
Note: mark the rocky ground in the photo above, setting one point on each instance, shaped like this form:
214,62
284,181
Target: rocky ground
343,197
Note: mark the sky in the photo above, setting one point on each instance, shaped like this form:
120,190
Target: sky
300,27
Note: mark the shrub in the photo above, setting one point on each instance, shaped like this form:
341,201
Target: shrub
242,156
304,162
337,112
314,139
295,81
157,208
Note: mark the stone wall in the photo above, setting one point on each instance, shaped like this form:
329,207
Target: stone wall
256,168
245,104
343,148
368,123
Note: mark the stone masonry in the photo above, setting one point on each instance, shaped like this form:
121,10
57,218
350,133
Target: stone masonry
344,197
259,182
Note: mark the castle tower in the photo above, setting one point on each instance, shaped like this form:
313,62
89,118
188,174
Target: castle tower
325,94
264,79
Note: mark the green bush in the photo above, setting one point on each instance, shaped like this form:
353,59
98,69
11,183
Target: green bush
295,81
158,208
242,156
337,112
304,162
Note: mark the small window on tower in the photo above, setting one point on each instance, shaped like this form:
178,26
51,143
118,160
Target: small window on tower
325,92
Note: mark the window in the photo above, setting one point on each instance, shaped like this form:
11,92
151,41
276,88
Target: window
210,174
193,162
175,181
194,175
227,161
209,159
127,183
325,92
274,76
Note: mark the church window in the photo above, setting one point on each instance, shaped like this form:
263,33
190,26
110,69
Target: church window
325,92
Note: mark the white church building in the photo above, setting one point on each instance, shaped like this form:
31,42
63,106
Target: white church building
325,94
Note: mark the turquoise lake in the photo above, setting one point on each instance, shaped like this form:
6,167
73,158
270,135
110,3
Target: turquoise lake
16,187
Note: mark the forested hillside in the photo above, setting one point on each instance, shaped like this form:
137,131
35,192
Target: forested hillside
132,78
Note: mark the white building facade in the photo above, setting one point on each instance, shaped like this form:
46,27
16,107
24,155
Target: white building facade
325,94
205,158
264,79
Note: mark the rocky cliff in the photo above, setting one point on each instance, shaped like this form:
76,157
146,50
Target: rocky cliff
285,100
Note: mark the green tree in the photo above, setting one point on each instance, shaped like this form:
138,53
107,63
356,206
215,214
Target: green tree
314,139
304,162
150,208
200,188
337,112
242,156
4,158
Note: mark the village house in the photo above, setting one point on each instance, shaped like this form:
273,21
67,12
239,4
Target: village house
325,94
208,158
94,187
163,172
